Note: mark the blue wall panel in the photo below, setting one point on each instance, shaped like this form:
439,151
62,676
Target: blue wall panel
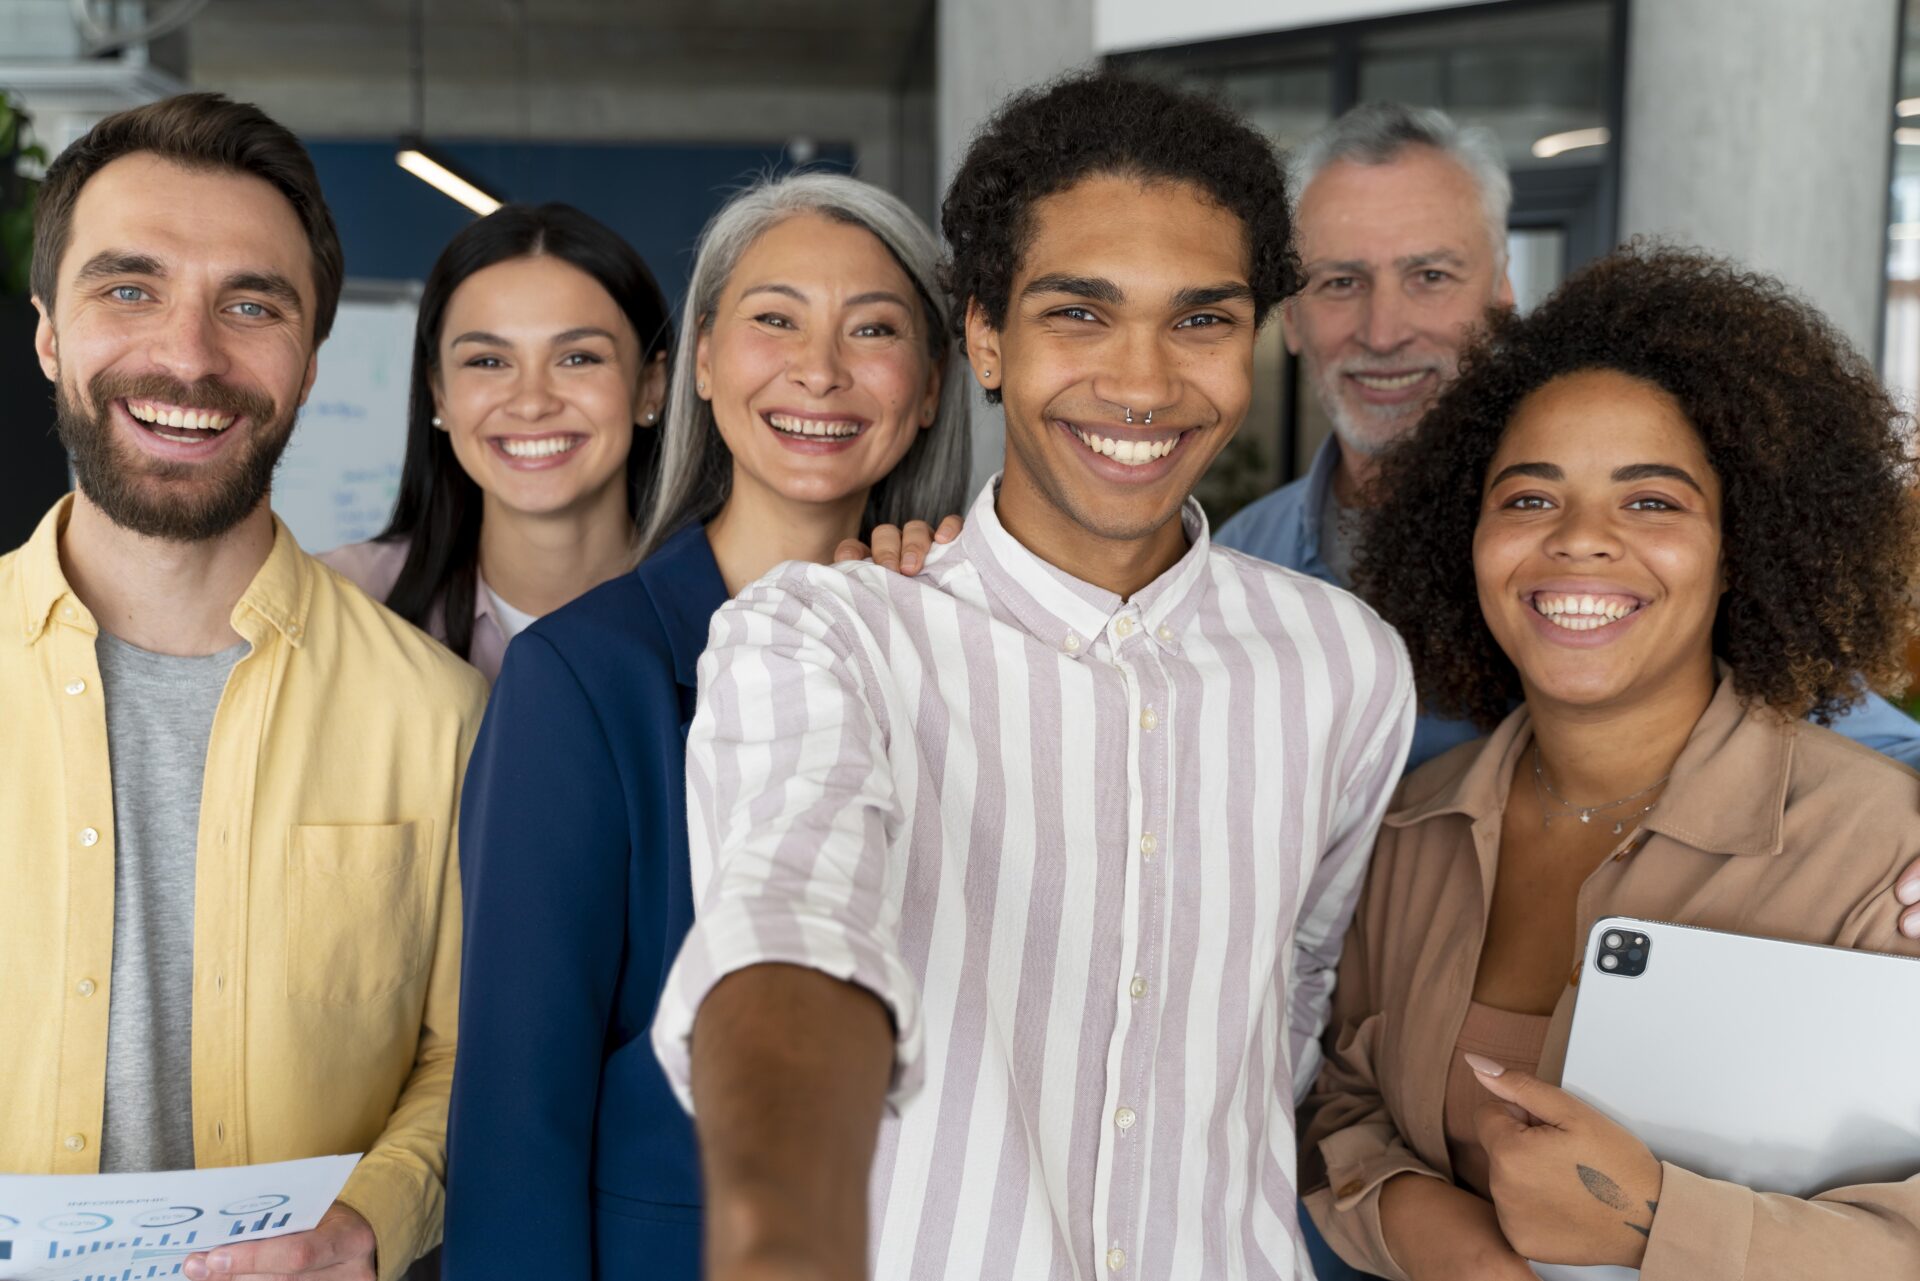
392,225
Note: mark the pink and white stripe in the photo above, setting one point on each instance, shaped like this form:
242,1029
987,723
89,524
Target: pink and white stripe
1096,856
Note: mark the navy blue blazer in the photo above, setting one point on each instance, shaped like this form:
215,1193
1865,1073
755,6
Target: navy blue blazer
568,1155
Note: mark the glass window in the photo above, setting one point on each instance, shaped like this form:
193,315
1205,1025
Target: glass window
1900,350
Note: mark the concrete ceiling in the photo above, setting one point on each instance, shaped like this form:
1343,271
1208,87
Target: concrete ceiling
761,44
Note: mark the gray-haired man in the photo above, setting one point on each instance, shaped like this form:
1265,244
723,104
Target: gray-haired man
1400,218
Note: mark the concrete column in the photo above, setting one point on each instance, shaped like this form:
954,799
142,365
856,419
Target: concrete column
988,49
1760,129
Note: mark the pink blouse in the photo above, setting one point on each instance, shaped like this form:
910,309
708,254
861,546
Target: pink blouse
374,567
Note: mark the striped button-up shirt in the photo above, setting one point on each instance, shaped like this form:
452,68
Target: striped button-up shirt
1094,855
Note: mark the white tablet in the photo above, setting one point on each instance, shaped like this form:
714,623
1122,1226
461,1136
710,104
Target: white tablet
1783,1067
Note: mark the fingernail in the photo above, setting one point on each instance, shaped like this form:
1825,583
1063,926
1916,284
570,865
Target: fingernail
910,562
1484,1066
1911,925
195,1267
220,1262
1908,891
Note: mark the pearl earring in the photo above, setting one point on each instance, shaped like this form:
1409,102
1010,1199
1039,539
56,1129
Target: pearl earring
648,417
701,387
436,420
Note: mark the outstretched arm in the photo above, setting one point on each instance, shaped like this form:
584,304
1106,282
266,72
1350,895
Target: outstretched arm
790,1071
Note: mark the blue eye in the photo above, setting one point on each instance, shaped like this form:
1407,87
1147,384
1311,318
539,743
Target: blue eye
252,310
129,293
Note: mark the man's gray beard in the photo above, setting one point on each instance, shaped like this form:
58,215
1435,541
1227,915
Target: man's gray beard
1368,439
122,482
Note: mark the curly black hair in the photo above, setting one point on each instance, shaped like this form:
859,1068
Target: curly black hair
1820,531
1046,139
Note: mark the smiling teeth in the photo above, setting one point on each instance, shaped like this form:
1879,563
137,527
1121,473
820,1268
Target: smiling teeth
1390,382
1134,453
813,426
1584,613
543,447
155,414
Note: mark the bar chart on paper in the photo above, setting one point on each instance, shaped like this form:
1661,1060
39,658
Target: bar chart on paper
133,1227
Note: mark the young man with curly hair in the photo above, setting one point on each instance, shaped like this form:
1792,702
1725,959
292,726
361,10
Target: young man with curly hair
1020,881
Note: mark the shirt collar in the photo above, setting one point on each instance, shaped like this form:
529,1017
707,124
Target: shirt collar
1727,793
1069,614
280,594
1326,461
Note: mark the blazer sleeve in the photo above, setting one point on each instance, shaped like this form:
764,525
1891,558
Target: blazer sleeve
545,873
1350,1145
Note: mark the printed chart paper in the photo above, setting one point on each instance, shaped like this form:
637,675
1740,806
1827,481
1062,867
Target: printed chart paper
132,1227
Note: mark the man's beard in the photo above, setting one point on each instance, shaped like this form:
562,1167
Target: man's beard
178,501
1371,430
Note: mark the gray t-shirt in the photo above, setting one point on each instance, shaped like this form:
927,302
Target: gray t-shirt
159,719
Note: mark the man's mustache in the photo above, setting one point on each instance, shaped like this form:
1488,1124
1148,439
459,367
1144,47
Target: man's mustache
205,393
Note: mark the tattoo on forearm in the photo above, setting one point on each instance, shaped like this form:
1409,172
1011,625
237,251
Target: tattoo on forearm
1602,1189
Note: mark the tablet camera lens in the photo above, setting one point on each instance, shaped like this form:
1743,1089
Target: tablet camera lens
1614,940
1609,962
1634,954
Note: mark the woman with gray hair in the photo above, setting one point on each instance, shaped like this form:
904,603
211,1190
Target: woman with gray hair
815,396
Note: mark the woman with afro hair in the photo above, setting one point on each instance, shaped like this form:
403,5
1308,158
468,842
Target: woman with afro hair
1654,526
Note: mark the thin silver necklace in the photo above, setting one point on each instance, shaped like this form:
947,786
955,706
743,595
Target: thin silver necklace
1586,812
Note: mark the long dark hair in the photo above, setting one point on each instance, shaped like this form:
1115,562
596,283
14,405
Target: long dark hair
439,504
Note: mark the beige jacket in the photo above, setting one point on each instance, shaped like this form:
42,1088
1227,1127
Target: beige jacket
1769,828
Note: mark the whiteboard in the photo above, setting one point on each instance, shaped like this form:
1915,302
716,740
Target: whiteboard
338,478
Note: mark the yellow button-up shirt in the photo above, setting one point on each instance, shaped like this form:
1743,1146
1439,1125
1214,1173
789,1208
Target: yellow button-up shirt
327,894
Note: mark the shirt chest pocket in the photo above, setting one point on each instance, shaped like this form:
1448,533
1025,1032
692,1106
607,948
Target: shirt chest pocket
356,910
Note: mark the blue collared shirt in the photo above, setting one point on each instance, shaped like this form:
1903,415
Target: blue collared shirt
1284,527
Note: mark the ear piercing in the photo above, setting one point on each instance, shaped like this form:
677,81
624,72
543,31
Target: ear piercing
436,420
701,387
648,417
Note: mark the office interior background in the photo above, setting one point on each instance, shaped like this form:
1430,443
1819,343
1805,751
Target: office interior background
1783,132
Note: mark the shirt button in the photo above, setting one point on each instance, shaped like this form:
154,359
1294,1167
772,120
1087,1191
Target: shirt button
1137,988
84,987
76,1142
1124,627
1116,1259
1148,845
1165,633
1148,719
66,612
1071,644
294,631
1352,1187
76,686
89,837
1125,1118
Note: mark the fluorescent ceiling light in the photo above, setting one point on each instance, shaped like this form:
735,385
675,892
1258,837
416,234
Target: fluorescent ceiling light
1907,107
438,175
1573,140
1905,231
1907,137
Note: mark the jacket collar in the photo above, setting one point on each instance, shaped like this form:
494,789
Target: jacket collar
280,594
1727,794
683,581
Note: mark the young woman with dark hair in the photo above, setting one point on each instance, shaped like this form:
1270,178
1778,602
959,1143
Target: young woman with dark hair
539,368
1669,515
